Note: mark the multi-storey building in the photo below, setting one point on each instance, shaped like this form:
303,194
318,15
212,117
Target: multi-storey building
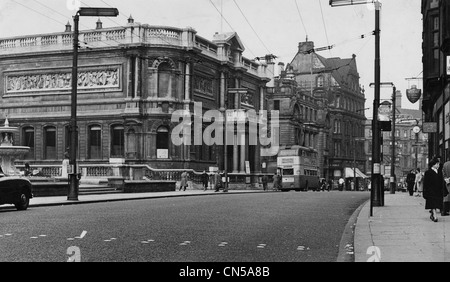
436,63
323,107
131,79
410,147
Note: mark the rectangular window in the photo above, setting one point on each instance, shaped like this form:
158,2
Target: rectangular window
50,143
276,105
95,142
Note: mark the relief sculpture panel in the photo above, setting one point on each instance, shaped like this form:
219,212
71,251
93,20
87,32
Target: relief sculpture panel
62,80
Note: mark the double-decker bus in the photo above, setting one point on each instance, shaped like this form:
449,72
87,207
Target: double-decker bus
298,168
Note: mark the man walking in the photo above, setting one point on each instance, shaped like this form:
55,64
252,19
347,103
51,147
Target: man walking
265,179
205,179
410,181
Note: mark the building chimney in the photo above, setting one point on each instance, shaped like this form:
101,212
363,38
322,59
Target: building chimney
130,20
398,99
306,47
281,67
99,24
68,27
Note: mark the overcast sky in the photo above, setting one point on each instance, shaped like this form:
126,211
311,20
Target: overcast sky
264,27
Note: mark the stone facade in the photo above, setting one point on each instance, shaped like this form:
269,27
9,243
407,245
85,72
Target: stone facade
322,105
131,80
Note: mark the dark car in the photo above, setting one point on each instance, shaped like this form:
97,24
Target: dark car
15,190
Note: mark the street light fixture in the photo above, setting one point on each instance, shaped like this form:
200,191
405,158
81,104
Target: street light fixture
74,176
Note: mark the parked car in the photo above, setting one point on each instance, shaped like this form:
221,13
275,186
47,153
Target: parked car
15,190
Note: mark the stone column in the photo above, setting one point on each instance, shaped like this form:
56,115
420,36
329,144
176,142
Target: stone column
222,91
241,136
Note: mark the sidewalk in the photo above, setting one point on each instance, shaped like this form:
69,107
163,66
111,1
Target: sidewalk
401,231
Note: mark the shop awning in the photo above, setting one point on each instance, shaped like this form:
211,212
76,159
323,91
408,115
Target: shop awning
349,173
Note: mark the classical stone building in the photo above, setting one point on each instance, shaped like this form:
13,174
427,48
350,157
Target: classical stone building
131,79
322,106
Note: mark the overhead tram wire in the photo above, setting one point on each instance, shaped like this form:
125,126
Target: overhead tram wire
222,16
267,49
38,12
325,27
301,18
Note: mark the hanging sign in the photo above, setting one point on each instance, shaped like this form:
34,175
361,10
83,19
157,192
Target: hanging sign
413,94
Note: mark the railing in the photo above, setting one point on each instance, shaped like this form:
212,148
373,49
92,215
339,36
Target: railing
139,172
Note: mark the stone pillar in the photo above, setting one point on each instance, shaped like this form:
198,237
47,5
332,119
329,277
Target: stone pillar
222,91
241,136
187,86
137,77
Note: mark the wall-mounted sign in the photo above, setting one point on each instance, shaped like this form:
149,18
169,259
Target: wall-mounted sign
413,94
162,153
429,127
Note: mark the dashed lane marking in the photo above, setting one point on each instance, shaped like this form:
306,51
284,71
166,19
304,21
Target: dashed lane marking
185,243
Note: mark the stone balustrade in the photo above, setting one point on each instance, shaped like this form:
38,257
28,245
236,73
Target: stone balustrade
120,36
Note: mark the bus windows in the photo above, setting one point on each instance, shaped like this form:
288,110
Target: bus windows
288,171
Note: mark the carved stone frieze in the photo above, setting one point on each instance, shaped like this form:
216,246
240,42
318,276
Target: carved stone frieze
62,80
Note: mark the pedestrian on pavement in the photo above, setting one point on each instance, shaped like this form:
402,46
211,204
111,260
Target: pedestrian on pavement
277,181
433,191
217,181
184,181
446,177
341,184
419,183
330,185
265,180
410,181
205,179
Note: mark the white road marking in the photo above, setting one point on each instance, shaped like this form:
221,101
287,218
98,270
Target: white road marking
185,243
261,246
82,235
223,244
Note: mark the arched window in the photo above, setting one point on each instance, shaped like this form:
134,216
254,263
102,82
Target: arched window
117,141
28,140
162,142
95,142
164,80
50,143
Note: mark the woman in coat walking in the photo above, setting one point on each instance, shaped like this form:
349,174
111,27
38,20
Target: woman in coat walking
433,191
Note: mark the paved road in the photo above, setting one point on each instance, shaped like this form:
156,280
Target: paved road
262,227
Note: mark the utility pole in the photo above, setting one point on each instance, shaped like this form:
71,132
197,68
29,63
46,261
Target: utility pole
393,182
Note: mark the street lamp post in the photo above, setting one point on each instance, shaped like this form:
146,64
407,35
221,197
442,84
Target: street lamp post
74,176
375,192
393,182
